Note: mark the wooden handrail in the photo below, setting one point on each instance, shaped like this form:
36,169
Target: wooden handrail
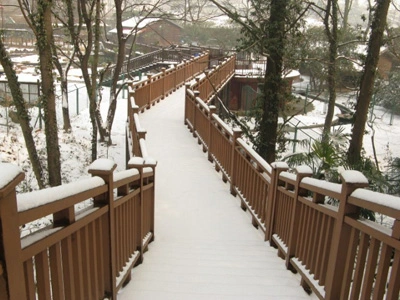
338,254
84,254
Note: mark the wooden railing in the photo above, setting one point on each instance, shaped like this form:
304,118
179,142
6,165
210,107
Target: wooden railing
84,254
338,254
149,91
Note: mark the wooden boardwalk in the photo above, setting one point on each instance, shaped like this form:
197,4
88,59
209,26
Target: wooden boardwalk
205,246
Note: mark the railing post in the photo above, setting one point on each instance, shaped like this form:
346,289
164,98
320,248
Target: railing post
10,243
140,163
351,180
302,172
187,86
196,94
277,168
213,110
163,79
104,168
149,83
237,133
207,83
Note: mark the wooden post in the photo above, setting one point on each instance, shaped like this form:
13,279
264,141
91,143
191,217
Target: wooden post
175,81
277,168
164,84
351,180
196,94
149,83
237,133
10,242
140,163
213,110
302,172
104,168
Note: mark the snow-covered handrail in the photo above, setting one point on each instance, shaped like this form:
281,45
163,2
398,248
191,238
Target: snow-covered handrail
113,226
316,225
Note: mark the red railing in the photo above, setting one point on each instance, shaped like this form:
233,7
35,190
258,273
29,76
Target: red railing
338,254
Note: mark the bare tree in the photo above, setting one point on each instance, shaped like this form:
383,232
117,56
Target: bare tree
331,30
23,114
39,17
84,26
144,10
60,52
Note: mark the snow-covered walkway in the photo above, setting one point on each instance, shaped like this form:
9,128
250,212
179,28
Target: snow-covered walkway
205,246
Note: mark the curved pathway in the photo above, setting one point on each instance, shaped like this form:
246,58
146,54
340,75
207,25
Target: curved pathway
205,246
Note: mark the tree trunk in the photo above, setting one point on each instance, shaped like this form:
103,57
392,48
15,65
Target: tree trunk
64,88
65,105
367,81
347,7
274,85
44,39
331,32
22,114
117,71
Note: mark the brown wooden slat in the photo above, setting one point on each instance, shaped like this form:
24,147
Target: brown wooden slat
94,250
383,269
86,255
394,281
349,266
56,272
78,270
359,271
30,285
68,268
43,276
327,247
61,234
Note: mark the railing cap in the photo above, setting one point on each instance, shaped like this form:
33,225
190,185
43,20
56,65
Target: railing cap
353,176
139,162
303,169
9,173
279,165
103,165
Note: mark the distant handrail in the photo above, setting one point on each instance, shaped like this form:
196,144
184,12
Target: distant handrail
147,92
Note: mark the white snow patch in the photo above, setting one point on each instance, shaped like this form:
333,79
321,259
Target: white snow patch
260,161
125,174
353,176
287,175
279,165
35,199
329,186
136,160
102,164
304,170
377,198
8,173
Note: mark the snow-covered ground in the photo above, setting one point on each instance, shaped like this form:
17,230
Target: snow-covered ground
385,124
